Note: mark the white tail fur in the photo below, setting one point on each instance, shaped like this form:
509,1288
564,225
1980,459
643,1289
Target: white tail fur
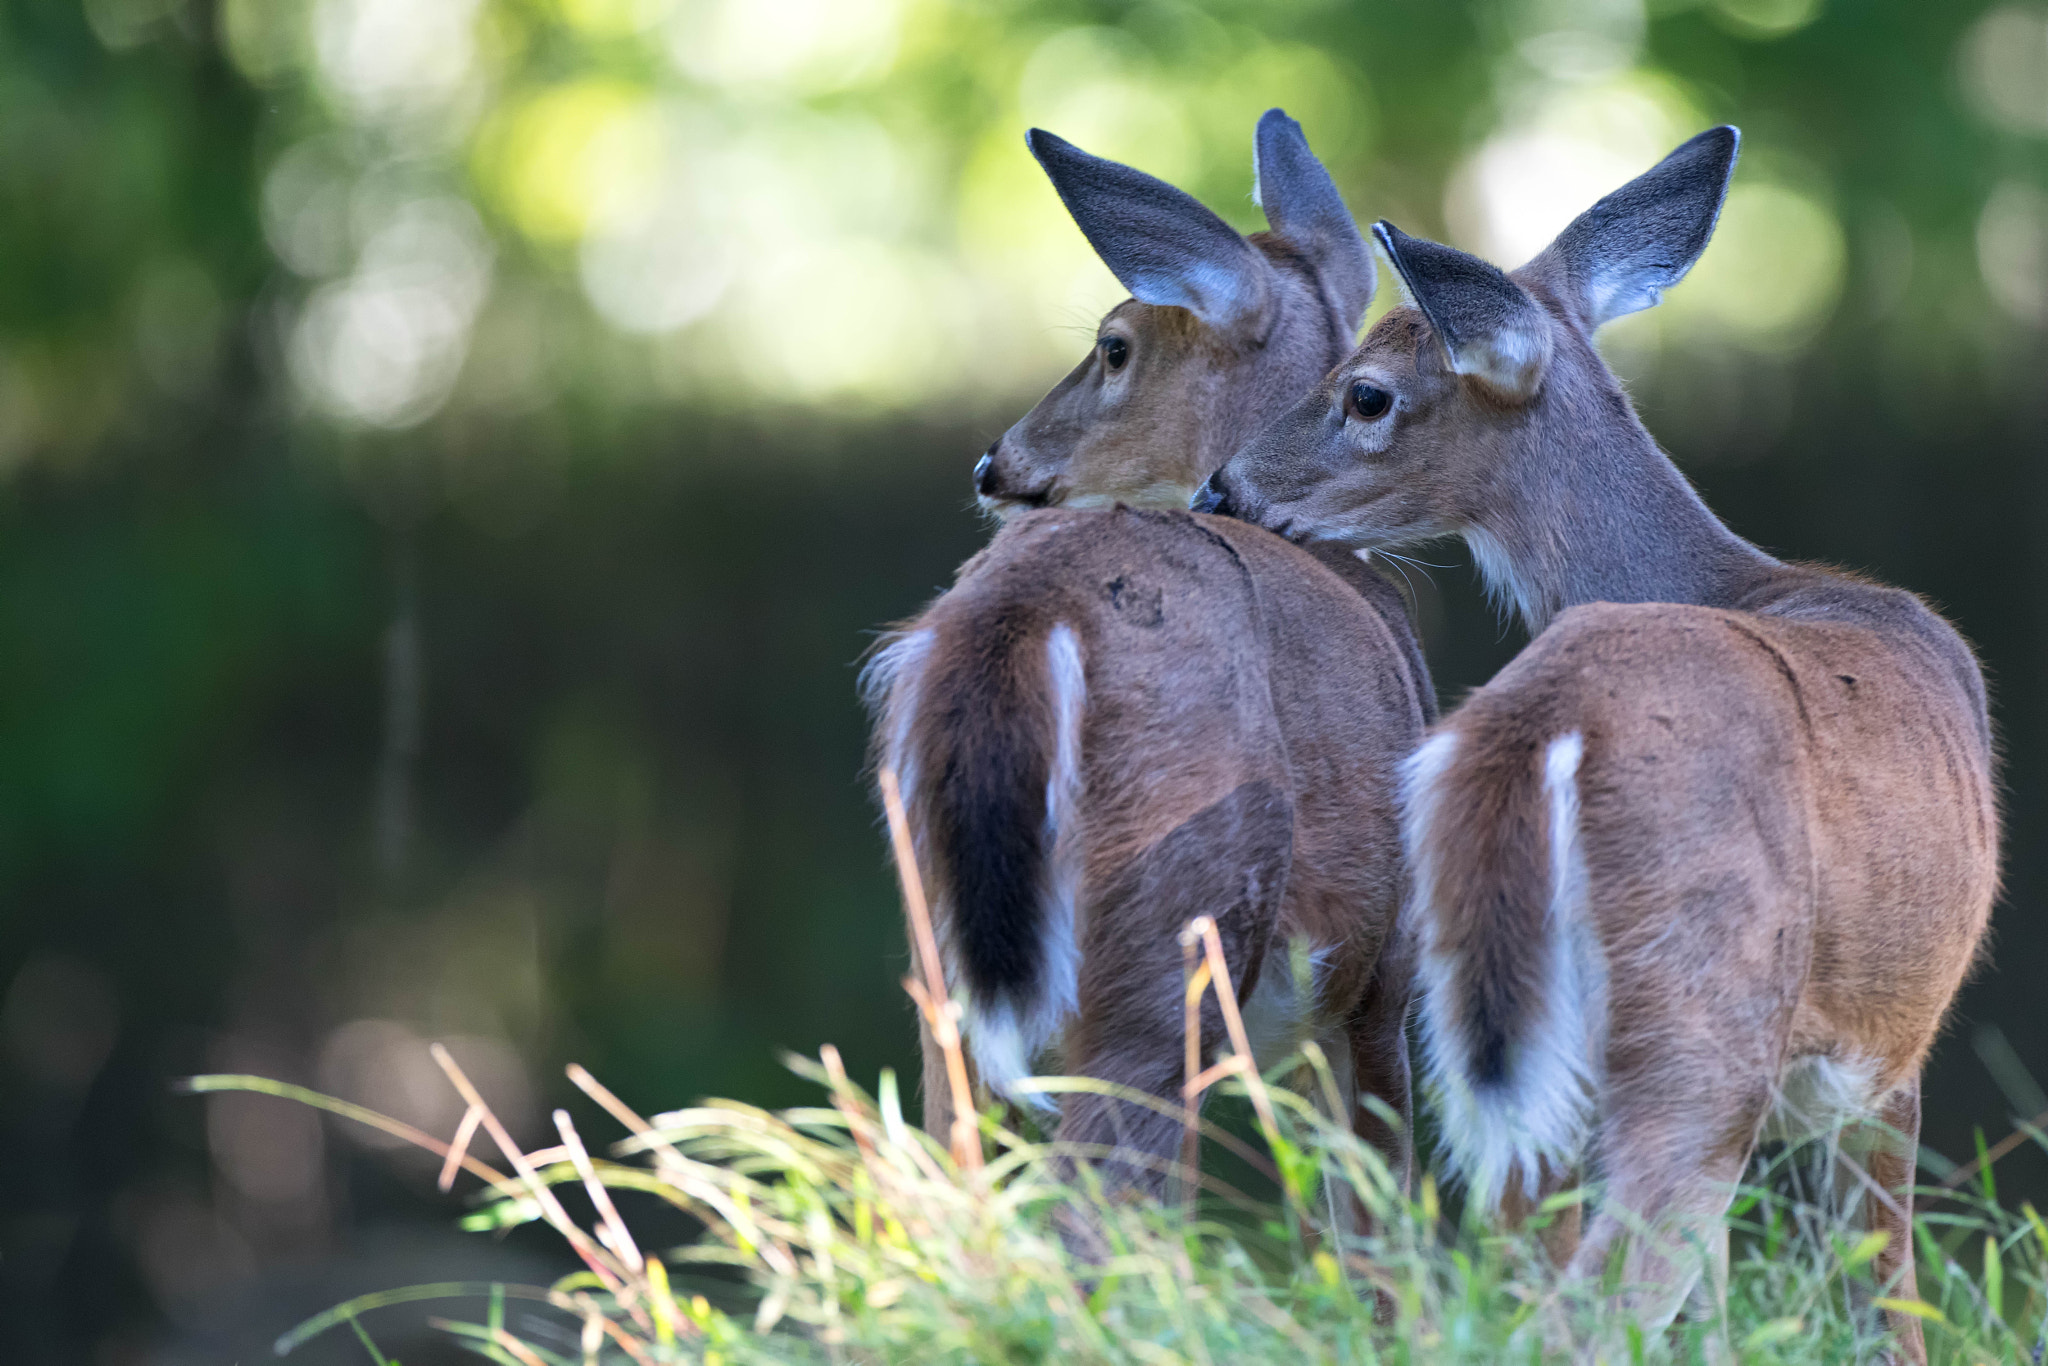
1494,1135
1005,1037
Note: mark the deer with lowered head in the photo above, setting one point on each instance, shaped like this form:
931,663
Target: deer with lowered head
1711,857
1123,715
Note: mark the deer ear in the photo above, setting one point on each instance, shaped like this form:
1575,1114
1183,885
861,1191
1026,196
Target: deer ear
1490,327
1624,252
1163,245
1302,204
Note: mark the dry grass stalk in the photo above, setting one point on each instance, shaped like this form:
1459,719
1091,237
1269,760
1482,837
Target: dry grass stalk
664,1152
457,1150
876,1258
941,1012
596,1258
397,1128
620,1239
1203,928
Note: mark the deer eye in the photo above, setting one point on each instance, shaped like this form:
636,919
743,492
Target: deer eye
1115,351
1370,402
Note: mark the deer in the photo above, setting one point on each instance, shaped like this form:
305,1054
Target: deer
1123,715
1710,858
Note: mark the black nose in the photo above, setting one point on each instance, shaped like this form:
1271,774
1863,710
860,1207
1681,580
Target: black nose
984,471
1212,497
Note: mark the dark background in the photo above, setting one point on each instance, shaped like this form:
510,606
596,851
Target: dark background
452,454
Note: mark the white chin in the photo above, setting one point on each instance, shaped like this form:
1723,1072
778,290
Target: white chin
1163,496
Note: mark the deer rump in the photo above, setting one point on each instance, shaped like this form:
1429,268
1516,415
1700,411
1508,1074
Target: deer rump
1675,875
1118,720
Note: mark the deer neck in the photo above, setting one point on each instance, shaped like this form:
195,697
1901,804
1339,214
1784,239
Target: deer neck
1604,516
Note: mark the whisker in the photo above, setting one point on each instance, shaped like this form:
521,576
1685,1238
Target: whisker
1422,567
1395,561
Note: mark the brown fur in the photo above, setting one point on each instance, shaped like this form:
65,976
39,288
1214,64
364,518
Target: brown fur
1781,864
1785,784
1246,713
1246,705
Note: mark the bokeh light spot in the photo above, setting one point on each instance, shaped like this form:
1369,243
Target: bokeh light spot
2012,250
1766,19
1773,271
306,208
1093,87
1582,40
848,316
613,18
1328,100
266,39
387,58
2004,68
123,24
803,46
384,346
1523,186
571,154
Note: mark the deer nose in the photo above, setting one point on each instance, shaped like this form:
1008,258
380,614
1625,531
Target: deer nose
1211,497
984,471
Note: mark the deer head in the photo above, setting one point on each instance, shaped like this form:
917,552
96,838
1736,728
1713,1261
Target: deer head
1483,410
1219,333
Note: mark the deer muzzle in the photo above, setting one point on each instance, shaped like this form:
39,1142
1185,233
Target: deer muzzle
1212,496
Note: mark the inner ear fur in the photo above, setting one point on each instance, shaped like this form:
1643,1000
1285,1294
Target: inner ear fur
1491,329
1161,243
1622,254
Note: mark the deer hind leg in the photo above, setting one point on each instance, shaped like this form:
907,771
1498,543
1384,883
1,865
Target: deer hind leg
1228,861
1370,1061
1380,1068
1673,1148
1881,1195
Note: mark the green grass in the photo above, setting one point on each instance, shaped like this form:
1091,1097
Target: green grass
838,1233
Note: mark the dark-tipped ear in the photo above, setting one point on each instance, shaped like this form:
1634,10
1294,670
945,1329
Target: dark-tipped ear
1302,204
1624,252
1491,329
1164,246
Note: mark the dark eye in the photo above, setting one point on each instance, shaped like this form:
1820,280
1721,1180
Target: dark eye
1115,351
1368,401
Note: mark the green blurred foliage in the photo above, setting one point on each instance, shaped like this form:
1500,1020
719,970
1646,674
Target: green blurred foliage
450,452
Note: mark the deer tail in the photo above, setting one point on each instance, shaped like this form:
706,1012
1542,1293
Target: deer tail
1511,979
980,716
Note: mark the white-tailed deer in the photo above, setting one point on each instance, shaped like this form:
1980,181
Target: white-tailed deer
1720,845
1120,718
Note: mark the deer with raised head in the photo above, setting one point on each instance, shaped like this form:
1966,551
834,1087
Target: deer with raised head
1718,848
1123,716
